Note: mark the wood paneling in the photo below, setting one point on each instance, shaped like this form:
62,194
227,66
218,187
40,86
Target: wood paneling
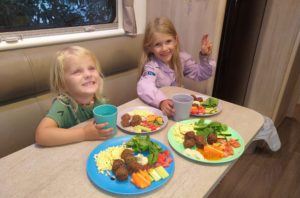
276,43
291,89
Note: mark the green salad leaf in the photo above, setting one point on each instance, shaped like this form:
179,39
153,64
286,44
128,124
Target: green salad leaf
141,143
210,102
204,129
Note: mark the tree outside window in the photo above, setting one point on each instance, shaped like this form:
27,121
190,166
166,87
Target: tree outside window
22,15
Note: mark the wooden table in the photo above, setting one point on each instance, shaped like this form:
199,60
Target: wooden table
61,171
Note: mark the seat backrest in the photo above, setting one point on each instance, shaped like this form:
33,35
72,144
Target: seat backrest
24,84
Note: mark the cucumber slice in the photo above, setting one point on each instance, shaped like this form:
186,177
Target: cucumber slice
225,133
154,175
162,172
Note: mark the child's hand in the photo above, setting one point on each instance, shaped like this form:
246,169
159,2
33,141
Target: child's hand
95,131
167,107
206,46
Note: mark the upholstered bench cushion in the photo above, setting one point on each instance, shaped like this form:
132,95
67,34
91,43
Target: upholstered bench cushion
24,84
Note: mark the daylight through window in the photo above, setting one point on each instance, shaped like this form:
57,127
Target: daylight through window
29,15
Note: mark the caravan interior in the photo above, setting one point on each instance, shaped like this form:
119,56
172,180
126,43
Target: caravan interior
271,88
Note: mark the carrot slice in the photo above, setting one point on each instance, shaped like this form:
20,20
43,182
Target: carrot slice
145,174
139,180
210,153
145,181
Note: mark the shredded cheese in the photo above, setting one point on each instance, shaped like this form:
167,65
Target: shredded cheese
142,113
180,129
104,159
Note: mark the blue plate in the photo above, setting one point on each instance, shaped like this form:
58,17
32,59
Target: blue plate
124,187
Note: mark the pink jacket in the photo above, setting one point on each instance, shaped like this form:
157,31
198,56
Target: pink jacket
157,74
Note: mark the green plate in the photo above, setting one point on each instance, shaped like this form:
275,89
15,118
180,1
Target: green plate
179,146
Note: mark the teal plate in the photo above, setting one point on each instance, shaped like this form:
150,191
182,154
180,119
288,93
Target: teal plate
180,149
104,182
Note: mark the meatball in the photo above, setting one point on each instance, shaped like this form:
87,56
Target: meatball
128,159
195,105
200,141
121,173
125,117
195,97
136,120
199,99
134,166
189,143
125,123
212,138
189,135
126,153
117,164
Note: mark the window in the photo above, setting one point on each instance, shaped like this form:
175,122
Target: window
34,18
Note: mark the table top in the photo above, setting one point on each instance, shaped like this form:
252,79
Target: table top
61,171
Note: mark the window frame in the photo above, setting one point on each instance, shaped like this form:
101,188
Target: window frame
10,41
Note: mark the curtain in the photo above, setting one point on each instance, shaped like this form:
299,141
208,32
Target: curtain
129,23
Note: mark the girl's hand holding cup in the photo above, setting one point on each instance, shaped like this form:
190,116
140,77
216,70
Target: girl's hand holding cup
95,131
106,119
166,107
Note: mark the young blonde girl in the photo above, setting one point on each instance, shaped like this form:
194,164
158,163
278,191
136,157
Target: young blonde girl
77,81
163,64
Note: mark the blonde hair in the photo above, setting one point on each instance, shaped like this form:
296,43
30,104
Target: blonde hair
165,26
57,81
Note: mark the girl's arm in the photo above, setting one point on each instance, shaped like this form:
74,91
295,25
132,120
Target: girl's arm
203,70
196,71
49,134
146,87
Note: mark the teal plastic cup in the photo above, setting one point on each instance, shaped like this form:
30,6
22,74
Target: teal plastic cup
106,113
182,104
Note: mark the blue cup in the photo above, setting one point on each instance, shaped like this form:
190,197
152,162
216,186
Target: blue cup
106,113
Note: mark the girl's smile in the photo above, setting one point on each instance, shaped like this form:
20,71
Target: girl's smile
88,84
81,78
163,47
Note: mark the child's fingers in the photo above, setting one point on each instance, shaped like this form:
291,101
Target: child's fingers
170,111
170,108
205,39
101,125
106,132
103,132
167,111
104,137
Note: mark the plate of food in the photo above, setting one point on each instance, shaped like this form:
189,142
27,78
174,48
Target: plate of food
206,141
141,120
130,165
205,106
